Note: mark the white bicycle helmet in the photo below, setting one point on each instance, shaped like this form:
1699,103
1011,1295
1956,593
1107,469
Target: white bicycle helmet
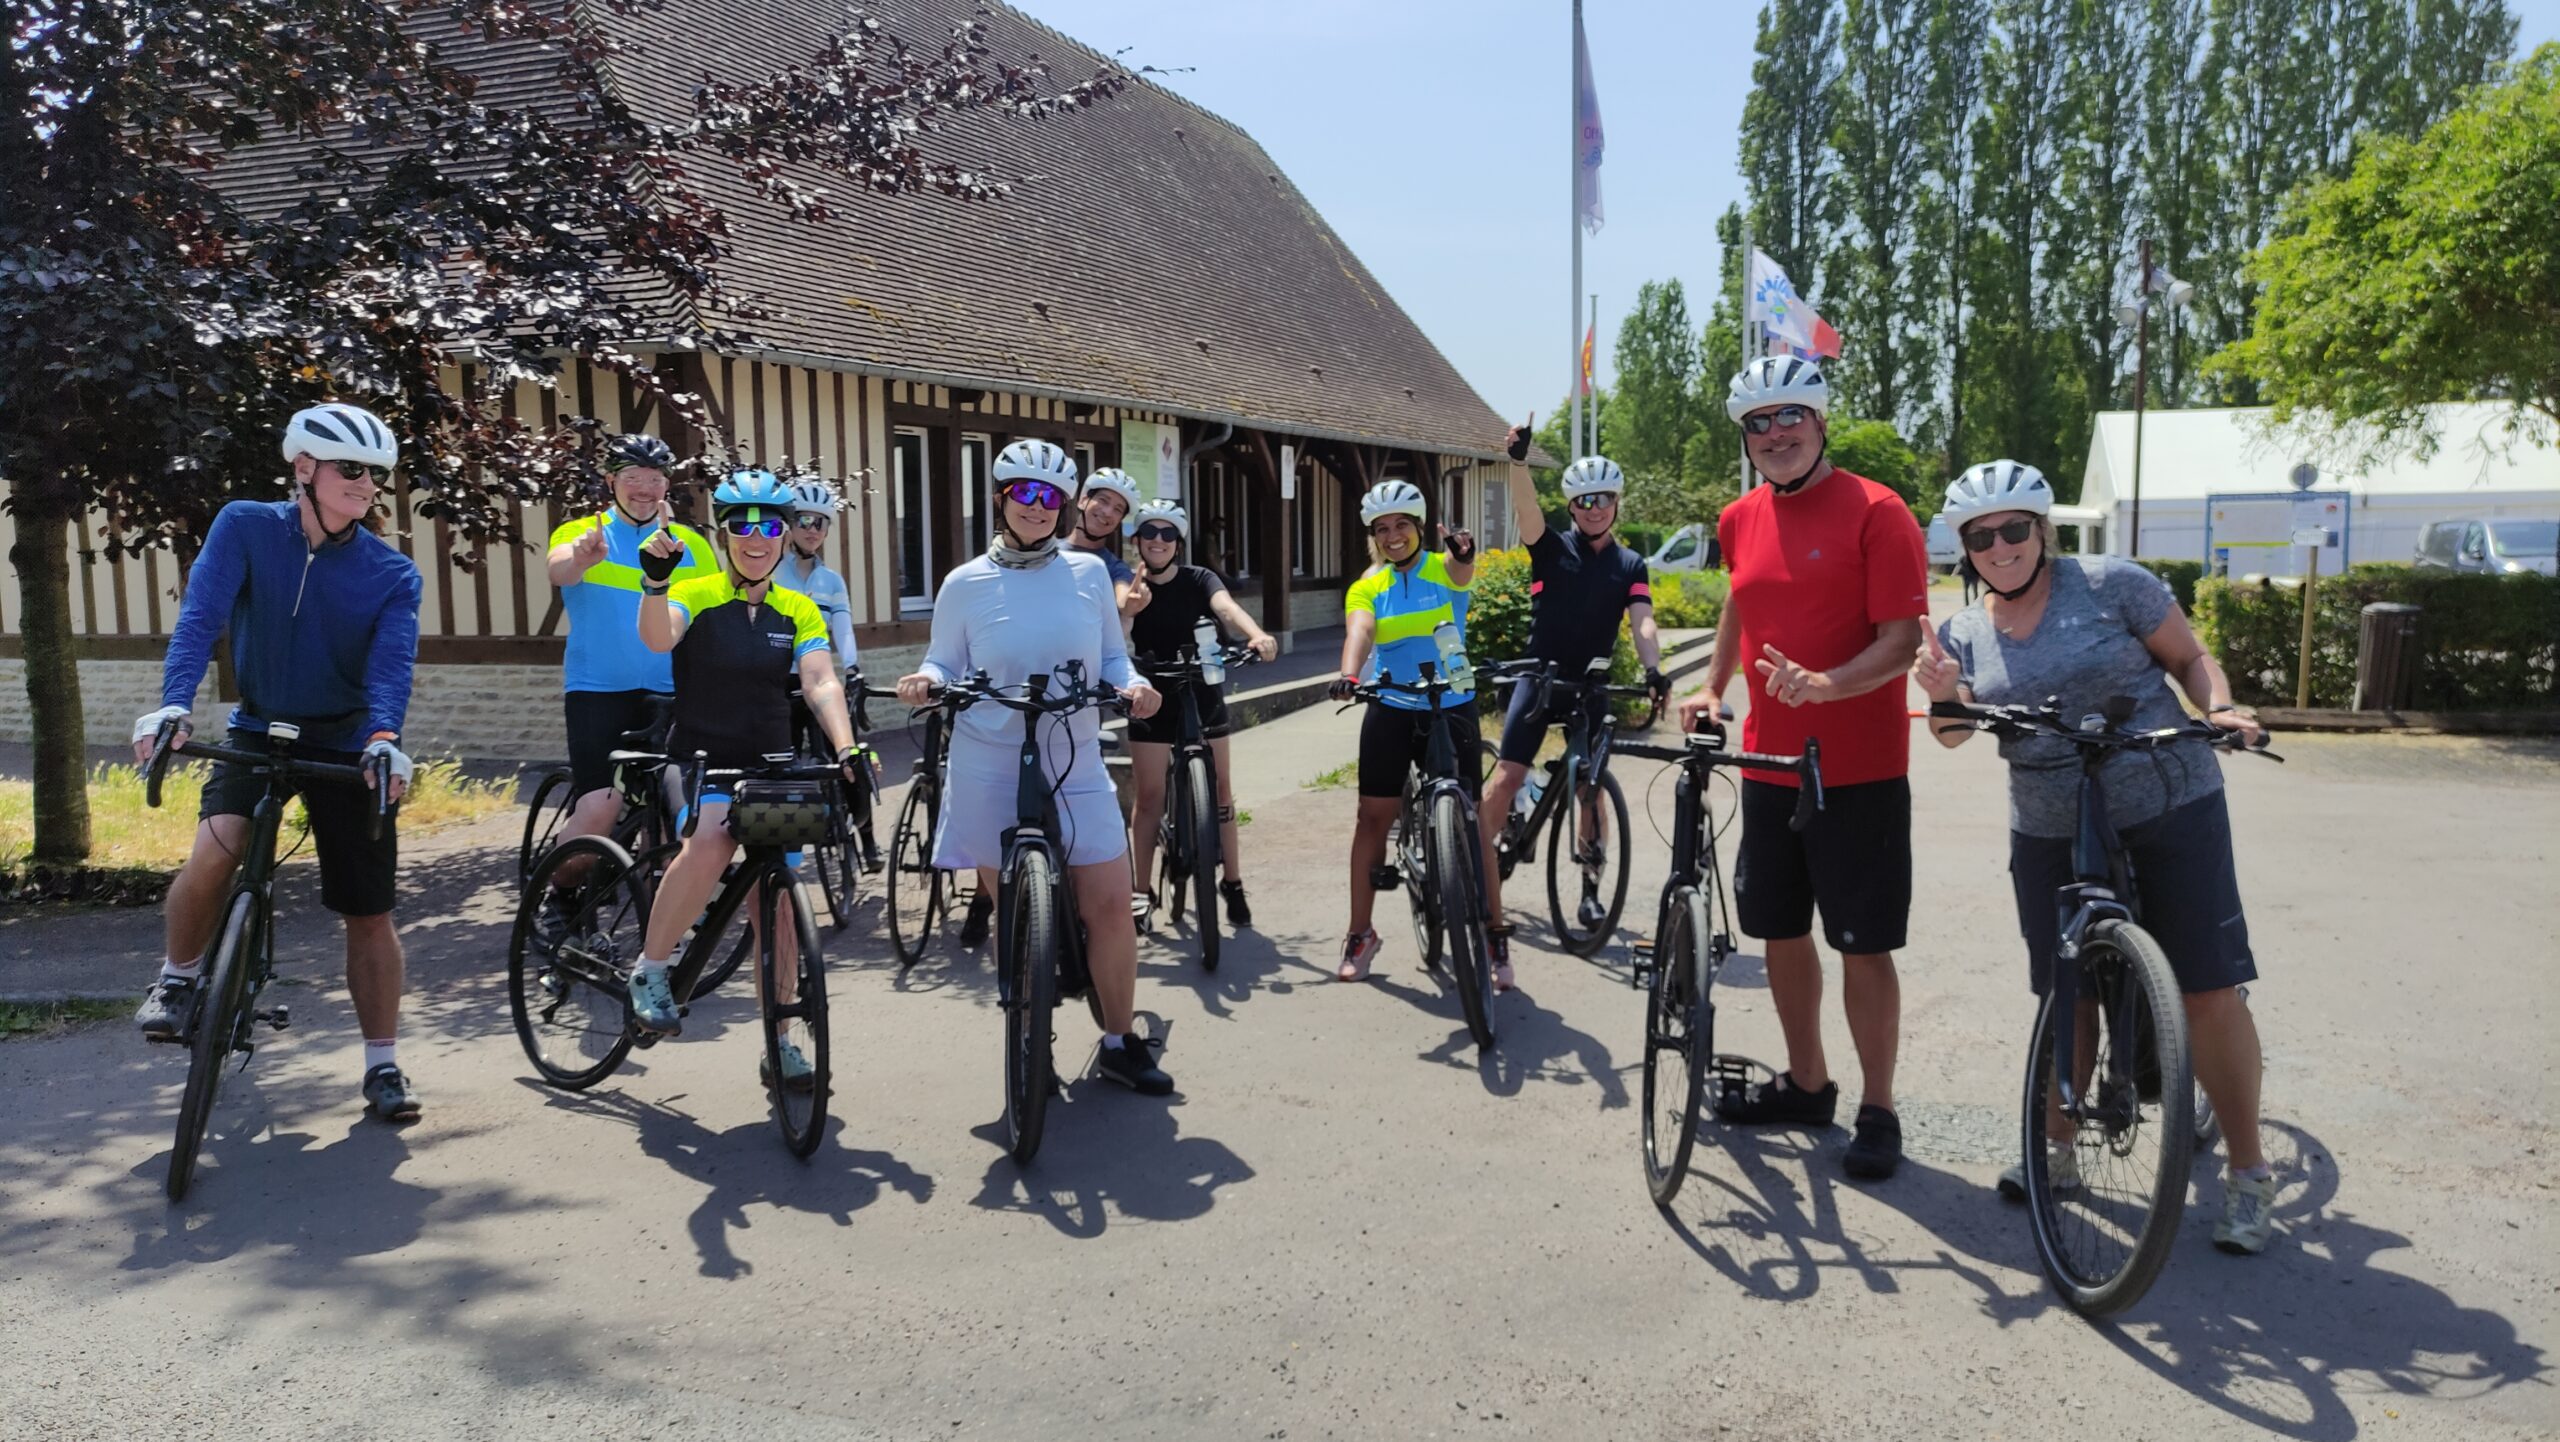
1593,475
1777,381
1994,487
334,432
1112,478
1169,512
811,496
1392,498
1036,461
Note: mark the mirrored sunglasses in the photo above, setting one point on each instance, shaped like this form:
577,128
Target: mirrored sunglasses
812,523
1595,500
2014,532
1039,494
1787,416
771,528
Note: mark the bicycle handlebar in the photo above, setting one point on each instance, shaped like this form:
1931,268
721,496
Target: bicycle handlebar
1231,655
976,687
166,744
2019,722
1516,673
1704,750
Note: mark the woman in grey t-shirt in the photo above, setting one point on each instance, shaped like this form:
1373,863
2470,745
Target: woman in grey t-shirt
2083,630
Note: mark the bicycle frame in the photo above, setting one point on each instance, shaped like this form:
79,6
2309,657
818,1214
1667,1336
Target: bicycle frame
1589,736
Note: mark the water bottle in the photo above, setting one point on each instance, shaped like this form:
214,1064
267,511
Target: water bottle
1453,657
1524,802
1204,641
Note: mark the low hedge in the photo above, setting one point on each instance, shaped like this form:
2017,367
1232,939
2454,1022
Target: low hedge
2182,577
2485,642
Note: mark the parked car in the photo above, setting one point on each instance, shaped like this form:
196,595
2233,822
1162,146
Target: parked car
1693,547
2494,548
1945,549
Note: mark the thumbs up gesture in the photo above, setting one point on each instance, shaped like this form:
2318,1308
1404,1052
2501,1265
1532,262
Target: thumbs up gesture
1933,670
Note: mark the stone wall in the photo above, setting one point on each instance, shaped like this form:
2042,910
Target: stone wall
112,694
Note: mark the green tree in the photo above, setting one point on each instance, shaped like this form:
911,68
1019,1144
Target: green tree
2174,200
2429,272
1653,401
1876,277
1875,450
2011,405
2091,248
1713,453
1951,130
1786,135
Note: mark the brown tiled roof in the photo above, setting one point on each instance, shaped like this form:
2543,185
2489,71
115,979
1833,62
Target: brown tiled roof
1153,254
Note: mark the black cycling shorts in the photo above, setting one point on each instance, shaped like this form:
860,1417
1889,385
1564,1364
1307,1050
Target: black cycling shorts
2189,889
598,725
1524,726
357,873
1165,727
1852,860
1394,743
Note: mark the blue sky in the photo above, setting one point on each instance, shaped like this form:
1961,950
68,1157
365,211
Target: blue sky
1433,135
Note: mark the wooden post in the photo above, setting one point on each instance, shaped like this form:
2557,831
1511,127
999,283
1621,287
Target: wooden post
2310,600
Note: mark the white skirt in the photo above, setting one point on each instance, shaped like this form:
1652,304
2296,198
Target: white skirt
978,805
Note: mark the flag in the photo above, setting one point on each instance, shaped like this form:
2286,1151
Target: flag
1586,134
1587,337
1770,299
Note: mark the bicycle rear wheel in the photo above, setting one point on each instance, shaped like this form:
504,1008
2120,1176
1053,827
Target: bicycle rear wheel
801,1111
1410,852
1461,906
571,1002
1587,884
838,880
1201,816
543,820
916,899
1031,944
1679,1035
2103,1242
217,1031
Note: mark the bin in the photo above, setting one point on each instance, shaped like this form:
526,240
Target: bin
2387,657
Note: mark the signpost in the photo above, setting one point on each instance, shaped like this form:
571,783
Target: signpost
2311,538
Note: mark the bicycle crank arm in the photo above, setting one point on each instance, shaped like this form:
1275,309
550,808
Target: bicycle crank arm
276,1020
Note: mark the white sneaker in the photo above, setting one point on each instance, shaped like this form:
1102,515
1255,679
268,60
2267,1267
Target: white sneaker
2061,1168
2248,1214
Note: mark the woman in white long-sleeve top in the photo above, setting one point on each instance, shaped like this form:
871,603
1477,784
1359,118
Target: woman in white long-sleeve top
1028,606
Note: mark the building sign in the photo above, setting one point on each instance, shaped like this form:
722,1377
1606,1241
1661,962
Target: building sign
2263,534
1152,455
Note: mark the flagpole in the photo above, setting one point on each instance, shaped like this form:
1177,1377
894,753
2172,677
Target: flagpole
1573,215
1591,332
1744,474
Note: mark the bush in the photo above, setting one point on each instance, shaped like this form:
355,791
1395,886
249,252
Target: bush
1642,538
1688,600
2484,641
2182,577
1498,626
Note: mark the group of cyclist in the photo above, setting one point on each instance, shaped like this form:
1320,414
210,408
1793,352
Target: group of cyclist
1828,606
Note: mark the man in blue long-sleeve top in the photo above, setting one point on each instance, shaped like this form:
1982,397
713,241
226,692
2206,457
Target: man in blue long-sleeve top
322,616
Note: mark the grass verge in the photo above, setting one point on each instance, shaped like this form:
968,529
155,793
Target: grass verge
44,1018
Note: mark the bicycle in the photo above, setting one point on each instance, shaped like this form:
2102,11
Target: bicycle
1692,941
838,860
1040,938
570,999
1189,837
1439,857
1582,772
920,893
243,959
2132,1097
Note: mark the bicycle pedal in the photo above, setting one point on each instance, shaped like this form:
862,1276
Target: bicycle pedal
276,1020
1385,878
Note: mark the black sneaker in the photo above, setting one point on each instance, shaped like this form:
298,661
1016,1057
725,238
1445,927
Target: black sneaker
388,1096
165,1008
973,926
1133,1065
550,922
871,861
1779,1103
1876,1150
1238,913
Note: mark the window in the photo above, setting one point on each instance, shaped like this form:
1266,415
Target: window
1084,458
976,504
1239,508
912,495
1494,531
1682,547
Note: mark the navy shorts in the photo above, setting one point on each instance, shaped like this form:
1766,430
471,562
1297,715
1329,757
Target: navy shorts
1524,725
1852,860
2189,890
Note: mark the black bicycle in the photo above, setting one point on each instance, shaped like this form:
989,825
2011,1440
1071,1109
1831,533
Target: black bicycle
1040,937
571,997
2119,1076
1438,856
1189,838
839,860
1590,864
243,959
1692,940
921,893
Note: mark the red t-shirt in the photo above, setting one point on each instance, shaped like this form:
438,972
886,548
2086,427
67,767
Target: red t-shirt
1814,574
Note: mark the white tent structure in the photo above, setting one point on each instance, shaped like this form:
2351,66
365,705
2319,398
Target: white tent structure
2222,487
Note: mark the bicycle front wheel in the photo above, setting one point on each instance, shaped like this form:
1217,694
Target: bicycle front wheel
1031,1002
1679,1035
2103,1240
1201,817
543,820
915,887
1410,851
217,1031
1587,875
799,1097
570,995
1461,888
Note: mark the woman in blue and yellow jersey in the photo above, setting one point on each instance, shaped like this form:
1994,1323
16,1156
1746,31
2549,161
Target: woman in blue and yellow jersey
1394,610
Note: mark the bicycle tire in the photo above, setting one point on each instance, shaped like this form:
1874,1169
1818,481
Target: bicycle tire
916,900
1679,1036
718,973
1462,912
1412,856
217,1028
543,818
1173,849
2125,968
1030,1011
1562,861
605,926
838,881
801,1115
1203,823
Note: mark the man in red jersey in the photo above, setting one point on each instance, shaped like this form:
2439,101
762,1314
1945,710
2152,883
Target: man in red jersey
1830,588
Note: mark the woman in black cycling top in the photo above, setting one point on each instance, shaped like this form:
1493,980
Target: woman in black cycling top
1179,597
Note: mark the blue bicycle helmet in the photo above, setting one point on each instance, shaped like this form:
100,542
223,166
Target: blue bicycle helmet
754,491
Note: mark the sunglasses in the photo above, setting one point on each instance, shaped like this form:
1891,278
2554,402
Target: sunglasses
1158,533
1787,416
1037,494
813,523
1595,500
369,475
2014,532
771,529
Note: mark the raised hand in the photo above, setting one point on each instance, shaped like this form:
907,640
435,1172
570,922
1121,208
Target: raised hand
1933,670
1460,545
